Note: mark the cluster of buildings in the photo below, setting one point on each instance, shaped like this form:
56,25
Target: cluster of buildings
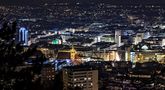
126,54
101,47
121,59
108,75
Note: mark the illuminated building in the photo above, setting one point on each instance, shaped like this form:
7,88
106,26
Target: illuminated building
127,53
57,32
48,53
118,37
144,53
146,35
150,55
97,39
81,77
132,56
163,42
59,64
138,38
23,36
48,73
130,53
68,54
108,38
62,37
101,55
57,41
111,56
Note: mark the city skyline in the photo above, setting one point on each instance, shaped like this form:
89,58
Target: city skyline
82,45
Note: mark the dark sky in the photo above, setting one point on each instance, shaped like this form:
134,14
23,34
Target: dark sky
40,2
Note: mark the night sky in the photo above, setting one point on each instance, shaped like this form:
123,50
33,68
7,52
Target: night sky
40,2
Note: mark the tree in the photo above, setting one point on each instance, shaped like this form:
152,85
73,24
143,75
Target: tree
14,74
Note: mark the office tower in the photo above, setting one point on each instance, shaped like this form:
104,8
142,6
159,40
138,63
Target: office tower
118,38
47,76
163,42
80,77
132,55
47,73
23,36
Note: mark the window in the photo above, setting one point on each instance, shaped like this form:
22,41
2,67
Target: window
91,84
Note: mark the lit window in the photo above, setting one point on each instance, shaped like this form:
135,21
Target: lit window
85,78
74,79
82,84
91,84
78,84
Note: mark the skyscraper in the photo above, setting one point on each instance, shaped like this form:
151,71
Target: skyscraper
118,37
82,77
23,36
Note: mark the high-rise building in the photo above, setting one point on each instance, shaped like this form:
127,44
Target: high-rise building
47,73
83,78
118,38
23,36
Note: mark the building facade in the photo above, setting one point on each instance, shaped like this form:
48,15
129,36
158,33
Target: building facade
82,78
23,36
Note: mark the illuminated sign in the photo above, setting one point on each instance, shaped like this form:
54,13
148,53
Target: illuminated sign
56,41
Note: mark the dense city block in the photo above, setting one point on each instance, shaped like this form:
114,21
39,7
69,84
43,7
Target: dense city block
82,45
